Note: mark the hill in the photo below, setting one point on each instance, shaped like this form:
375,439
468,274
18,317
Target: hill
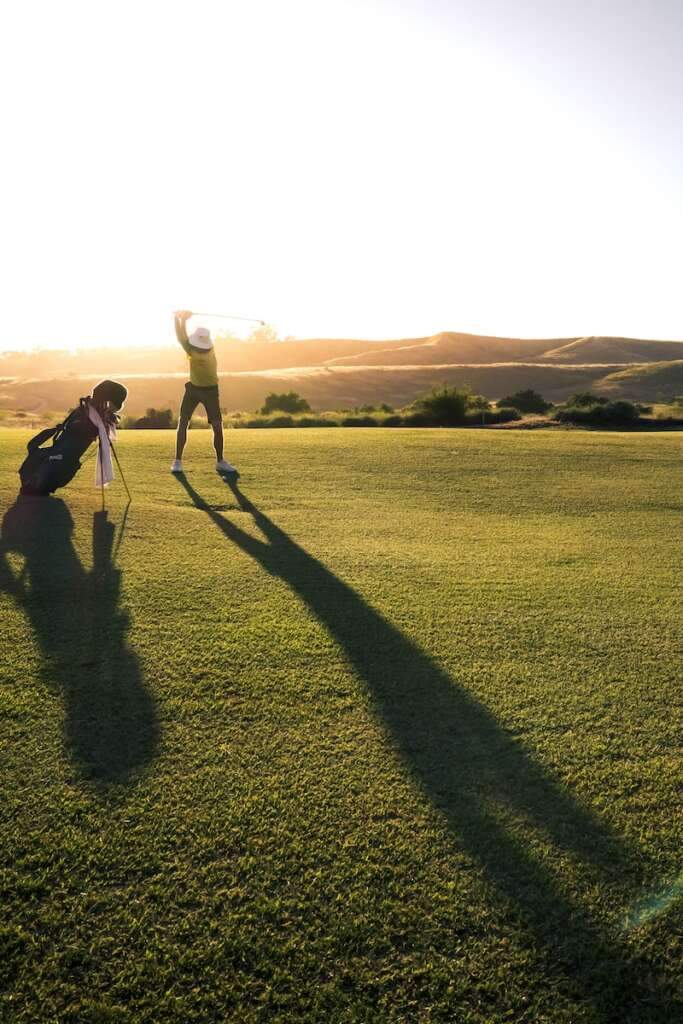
235,355
613,350
345,373
332,387
449,347
473,349
649,382
346,387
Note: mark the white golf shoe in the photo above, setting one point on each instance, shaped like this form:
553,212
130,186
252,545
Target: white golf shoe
225,467
176,466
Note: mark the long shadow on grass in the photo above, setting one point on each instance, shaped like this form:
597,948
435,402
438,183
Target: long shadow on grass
490,790
111,730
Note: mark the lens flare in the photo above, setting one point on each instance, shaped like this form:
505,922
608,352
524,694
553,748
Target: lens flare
646,909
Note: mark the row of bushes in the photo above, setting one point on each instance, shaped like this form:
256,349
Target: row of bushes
410,419
583,408
444,406
587,409
154,419
604,414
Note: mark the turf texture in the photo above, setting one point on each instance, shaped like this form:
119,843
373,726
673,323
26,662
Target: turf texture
389,733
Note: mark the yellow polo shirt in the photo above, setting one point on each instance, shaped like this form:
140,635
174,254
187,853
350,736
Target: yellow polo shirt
203,366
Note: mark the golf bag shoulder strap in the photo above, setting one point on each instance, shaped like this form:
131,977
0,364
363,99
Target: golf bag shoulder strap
43,436
70,419
56,432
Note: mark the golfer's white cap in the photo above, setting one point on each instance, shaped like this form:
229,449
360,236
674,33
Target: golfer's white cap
201,338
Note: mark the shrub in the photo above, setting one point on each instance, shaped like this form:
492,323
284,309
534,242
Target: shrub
526,401
585,399
392,421
359,421
620,410
316,421
266,422
417,419
154,419
375,408
505,415
444,406
609,414
478,402
476,418
289,402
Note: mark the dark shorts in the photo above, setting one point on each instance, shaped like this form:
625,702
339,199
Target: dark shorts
194,396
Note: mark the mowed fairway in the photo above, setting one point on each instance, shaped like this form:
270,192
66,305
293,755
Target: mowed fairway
390,734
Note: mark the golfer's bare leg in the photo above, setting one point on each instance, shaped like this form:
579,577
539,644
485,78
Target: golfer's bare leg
218,438
180,437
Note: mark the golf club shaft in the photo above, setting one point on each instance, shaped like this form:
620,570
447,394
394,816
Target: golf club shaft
123,479
230,316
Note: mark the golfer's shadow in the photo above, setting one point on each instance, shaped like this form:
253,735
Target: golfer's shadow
111,729
477,775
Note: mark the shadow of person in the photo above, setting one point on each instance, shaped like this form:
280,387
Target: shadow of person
111,728
492,793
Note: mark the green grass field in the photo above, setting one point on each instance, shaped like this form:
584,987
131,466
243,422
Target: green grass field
389,735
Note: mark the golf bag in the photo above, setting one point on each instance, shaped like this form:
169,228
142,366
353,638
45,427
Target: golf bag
46,468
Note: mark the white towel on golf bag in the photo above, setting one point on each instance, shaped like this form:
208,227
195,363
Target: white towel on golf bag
104,471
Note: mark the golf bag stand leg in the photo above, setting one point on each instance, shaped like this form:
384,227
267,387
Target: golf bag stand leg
123,479
99,459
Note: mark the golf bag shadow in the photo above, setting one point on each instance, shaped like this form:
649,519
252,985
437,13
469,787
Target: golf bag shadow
45,469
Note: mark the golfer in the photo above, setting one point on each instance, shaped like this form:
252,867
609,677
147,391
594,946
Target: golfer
202,388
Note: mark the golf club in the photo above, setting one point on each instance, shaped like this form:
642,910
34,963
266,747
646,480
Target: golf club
231,316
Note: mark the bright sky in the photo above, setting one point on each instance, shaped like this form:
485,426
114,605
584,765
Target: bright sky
340,168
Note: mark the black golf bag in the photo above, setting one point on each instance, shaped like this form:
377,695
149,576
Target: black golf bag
46,468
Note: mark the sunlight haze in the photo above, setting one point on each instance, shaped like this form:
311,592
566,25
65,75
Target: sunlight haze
341,169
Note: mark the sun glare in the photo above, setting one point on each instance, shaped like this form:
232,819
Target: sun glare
358,170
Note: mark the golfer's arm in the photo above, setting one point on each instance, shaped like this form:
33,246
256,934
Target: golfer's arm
181,333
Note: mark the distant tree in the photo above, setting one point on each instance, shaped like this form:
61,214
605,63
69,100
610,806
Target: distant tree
585,400
155,419
525,401
263,335
621,411
290,402
444,407
478,403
